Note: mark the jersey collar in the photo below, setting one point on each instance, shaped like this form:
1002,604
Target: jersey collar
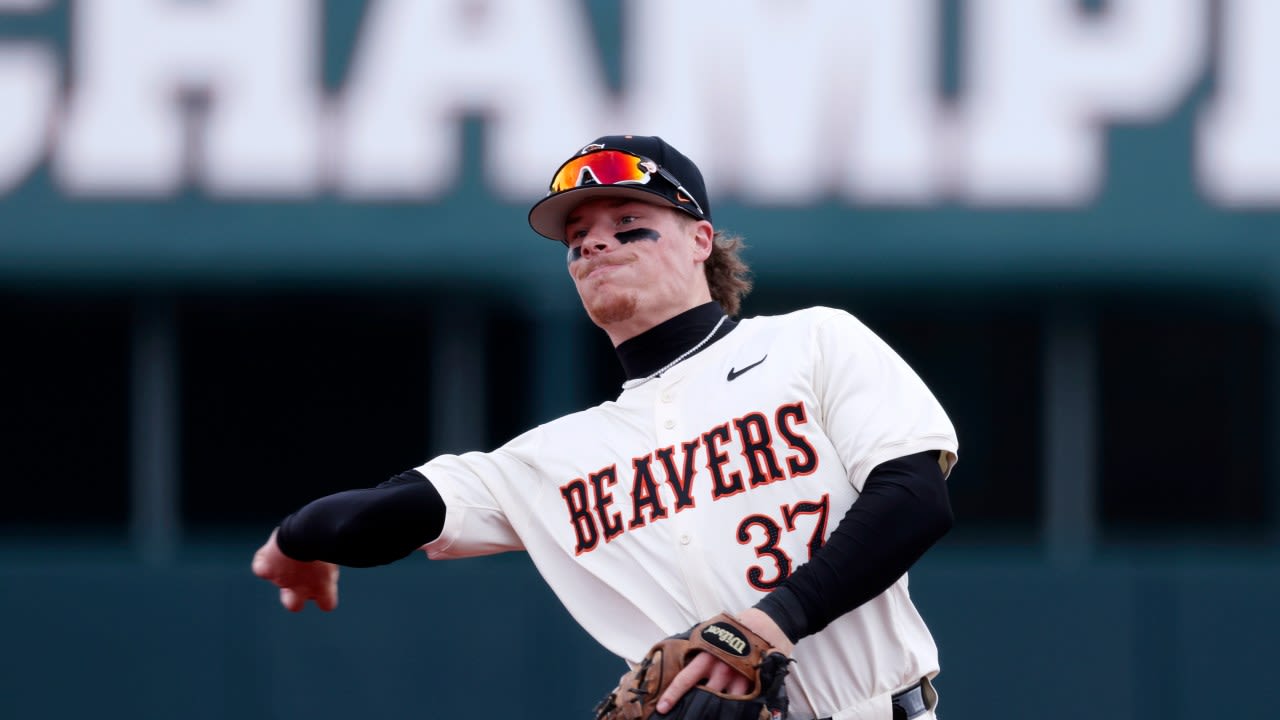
652,349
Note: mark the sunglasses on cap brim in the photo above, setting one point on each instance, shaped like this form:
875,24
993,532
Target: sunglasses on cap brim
615,167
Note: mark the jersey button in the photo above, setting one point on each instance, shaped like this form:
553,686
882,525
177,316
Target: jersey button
669,424
684,539
667,397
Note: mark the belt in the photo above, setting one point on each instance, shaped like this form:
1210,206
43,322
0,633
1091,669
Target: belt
907,704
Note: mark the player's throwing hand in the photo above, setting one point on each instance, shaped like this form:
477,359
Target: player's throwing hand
298,581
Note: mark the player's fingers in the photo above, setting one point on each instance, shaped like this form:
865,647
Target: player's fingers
721,677
259,565
326,586
262,565
291,599
738,685
327,599
694,672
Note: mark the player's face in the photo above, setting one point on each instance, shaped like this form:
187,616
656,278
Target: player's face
636,264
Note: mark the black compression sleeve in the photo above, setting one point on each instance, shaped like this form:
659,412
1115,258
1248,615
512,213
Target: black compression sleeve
363,528
902,511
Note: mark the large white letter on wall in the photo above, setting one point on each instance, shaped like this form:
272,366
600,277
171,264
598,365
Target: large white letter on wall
1239,134
28,92
1043,79
530,69
788,102
126,132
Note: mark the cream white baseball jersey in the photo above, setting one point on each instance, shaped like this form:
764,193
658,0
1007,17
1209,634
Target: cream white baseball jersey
701,490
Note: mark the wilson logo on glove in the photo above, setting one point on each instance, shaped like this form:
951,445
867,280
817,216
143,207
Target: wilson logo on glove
724,637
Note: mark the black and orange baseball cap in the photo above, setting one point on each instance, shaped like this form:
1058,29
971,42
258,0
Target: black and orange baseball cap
642,167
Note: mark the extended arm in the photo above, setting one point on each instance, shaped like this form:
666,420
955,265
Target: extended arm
366,527
357,528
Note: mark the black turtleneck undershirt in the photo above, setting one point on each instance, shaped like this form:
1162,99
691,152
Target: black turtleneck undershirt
649,351
902,511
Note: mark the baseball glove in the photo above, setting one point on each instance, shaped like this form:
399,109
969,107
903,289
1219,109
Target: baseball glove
636,696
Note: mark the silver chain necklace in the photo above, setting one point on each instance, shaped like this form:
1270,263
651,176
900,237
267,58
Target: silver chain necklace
633,384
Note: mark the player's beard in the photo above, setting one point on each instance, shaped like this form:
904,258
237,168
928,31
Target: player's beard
612,307
608,302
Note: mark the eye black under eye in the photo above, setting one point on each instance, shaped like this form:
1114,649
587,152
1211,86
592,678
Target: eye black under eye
575,253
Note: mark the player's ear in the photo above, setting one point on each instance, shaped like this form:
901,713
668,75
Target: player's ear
704,238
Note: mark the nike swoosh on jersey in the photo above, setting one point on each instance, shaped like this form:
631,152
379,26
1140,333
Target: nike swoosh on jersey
733,374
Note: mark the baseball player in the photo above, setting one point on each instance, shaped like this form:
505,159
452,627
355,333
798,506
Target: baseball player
780,474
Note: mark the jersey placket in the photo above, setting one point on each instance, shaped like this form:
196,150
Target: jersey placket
671,431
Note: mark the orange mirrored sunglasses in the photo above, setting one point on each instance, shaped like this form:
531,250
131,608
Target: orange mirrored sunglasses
614,167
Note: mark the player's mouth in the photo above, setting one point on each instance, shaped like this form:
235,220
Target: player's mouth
601,268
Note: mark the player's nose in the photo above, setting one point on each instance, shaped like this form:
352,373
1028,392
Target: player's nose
596,242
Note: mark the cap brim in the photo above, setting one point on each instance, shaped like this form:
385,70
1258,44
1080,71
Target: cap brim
547,217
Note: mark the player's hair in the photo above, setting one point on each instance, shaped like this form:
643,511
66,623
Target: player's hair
728,275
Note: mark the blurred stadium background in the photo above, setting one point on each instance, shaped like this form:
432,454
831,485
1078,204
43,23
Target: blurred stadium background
254,252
